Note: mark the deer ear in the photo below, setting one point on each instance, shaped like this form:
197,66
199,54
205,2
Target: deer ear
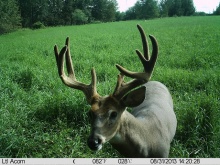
134,98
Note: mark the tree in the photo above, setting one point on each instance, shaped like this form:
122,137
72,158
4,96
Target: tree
26,12
55,13
164,8
85,6
176,8
67,12
79,17
188,7
143,9
119,16
33,11
217,11
10,17
40,11
150,9
110,11
130,14
97,9
104,10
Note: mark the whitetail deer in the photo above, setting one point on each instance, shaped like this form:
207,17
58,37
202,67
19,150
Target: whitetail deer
150,127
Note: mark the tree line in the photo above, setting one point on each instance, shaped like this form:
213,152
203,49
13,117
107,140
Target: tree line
66,12
15,14
39,13
148,9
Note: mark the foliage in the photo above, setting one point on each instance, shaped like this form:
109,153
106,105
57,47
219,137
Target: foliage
68,12
38,25
104,10
40,117
33,11
199,14
176,8
10,19
217,11
147,9
79,17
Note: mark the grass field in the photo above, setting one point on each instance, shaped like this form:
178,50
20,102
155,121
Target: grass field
40,117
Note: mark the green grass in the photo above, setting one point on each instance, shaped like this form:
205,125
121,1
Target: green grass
40,117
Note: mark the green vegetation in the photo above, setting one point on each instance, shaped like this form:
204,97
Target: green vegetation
148,9
40,117
10,19
37,14
217,11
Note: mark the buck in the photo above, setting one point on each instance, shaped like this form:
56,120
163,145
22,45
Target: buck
149,128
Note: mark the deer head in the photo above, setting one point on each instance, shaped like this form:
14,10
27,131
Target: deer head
106,111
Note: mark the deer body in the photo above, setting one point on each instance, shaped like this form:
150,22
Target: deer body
145,132
150,127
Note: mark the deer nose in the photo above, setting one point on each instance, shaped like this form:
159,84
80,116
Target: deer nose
94,143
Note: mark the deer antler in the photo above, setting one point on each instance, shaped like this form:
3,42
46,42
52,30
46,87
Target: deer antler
70,80
139,77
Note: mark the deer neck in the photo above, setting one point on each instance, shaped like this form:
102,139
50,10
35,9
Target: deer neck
130,134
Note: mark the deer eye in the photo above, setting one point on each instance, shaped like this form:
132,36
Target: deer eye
113,115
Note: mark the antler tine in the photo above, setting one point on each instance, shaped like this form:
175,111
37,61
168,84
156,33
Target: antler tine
119,83
154,56
139,77
70,80
144,42
69,64
149,64
58,55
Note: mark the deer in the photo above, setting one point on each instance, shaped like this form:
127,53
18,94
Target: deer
147,130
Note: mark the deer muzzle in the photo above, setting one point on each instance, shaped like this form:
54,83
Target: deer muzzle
95,143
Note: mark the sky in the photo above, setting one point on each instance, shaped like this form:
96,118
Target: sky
201,5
